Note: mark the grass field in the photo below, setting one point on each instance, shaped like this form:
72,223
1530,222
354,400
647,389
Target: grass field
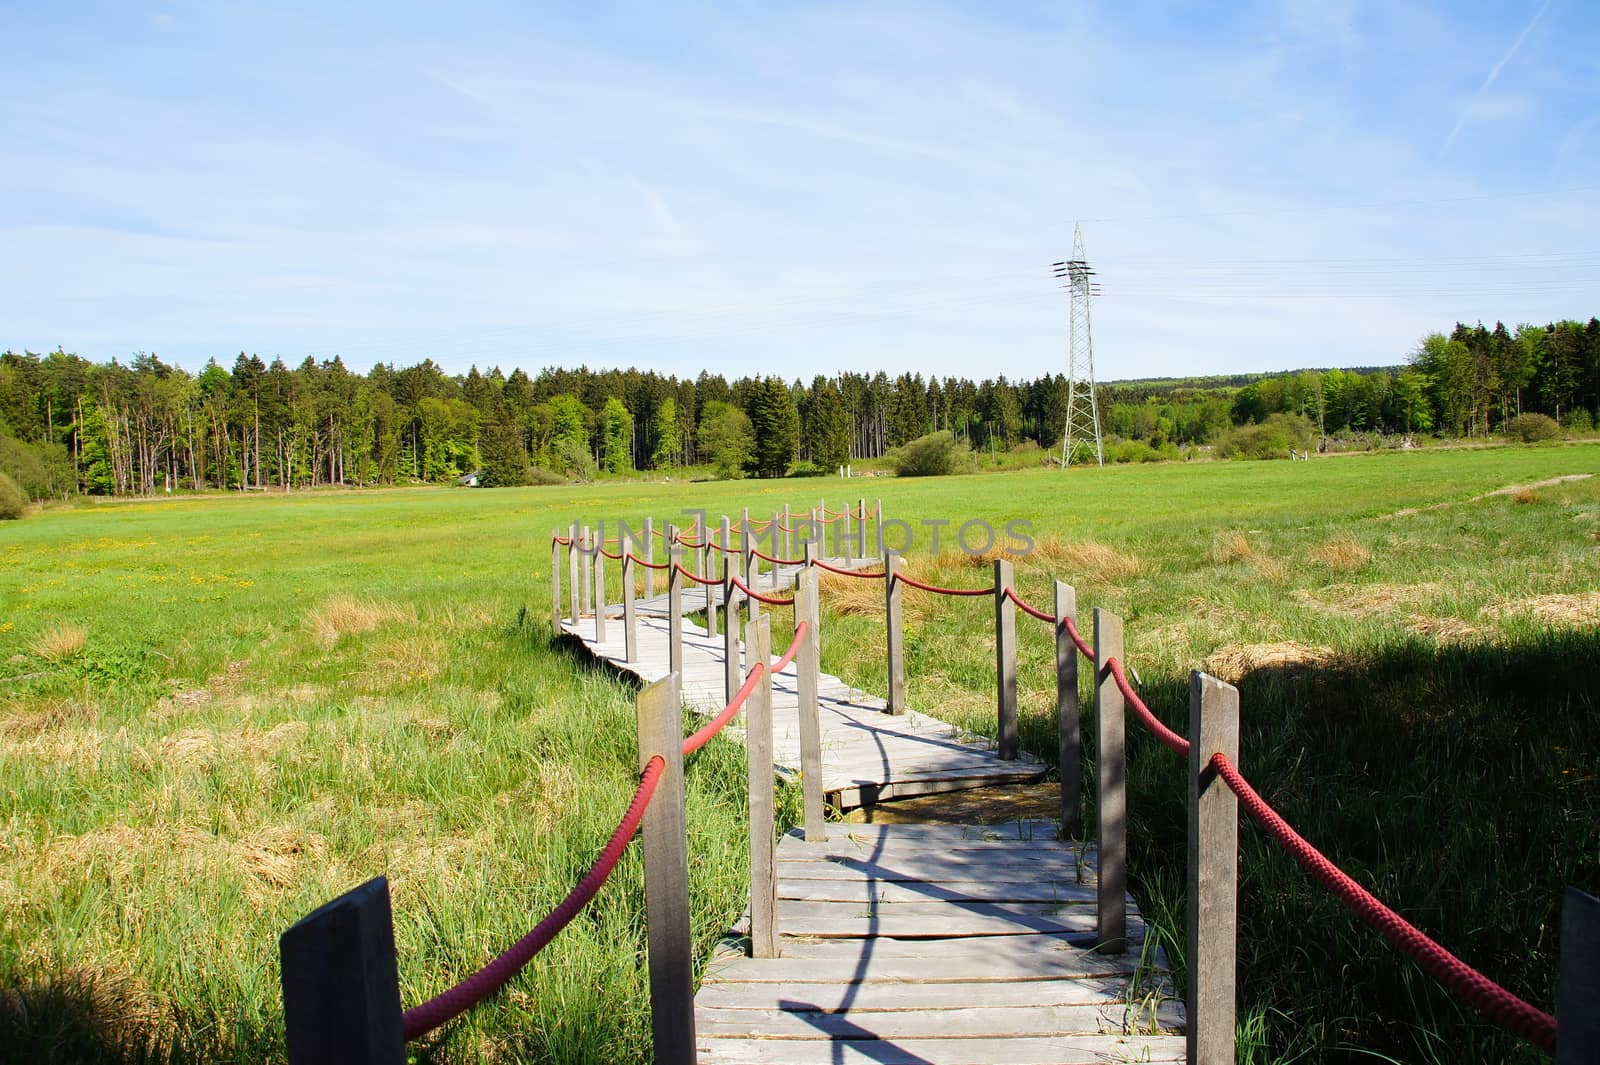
215,713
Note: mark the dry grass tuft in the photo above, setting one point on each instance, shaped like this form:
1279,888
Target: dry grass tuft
1582,608
1445,630
1091,560
59,642
1523,496
1269,568
851,595
272,853
1235,661
47,715
409,659
1342,554
345,615
1365,600
1231,547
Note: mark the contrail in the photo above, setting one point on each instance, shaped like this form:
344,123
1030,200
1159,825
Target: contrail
1494,72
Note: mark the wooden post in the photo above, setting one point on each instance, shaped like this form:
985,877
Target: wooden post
573,547
730,619
748,570
808,670
1005,661
666,875
1213,886
587,560
845,519
788,534
1577,1015
1111,787
630,618
555,580
674,603
893,623
861,537
759,771
707,569
878,526
809,553
649,556
1069,744
599,588
341,987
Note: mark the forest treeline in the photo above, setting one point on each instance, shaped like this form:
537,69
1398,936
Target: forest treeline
70,425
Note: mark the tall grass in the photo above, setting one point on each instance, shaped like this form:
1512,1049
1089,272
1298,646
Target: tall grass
277,698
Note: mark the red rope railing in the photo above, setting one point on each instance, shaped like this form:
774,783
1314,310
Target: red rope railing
778,561
647,565
696,577
703,735
420,1020
942,591
1495,1002
800,632
846,572
771,600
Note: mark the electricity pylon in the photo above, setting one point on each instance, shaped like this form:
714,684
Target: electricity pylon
1083,410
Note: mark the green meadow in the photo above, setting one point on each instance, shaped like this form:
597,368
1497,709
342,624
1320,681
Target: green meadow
218,712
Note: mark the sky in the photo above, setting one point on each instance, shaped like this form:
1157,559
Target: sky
793,188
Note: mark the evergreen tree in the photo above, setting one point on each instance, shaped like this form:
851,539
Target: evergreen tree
776,424
616,434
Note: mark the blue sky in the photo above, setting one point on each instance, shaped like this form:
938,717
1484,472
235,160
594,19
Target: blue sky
794,188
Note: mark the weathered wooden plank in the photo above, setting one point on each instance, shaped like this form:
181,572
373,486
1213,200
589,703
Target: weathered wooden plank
1012,965
860,891
794,1020
979,920
976,870
1048,1050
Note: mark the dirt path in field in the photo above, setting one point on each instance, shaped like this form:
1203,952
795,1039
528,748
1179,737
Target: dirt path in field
1508,490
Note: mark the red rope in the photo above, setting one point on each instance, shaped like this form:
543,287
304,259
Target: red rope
703,736
844,572
1174,742
944,591
696,577
647,565
563,540
1498,1004
608,554
1011,594
419,1020
778,561
1083,648
800,631
768,599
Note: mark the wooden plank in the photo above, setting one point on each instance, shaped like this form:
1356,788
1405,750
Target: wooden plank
1047,1050
861,891
795,1021
894,629
1005,661
978,920
806,708
1015,965
898,996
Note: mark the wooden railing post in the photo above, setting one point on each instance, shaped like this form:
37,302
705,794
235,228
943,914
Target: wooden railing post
649,556
1069,742
600,587
733,672
708,569
808,670
555,580
666,875
894,628
1111,788
1577,1015
861,538
674,602
748,567
1005,661
762,779
877,526
1213,885
572,571
341,986
846,520
587,560
630,616
788,534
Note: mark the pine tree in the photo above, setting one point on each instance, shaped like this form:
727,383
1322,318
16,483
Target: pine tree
776,424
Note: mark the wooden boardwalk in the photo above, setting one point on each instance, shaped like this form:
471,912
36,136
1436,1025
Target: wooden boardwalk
940,944
867,755
912,944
